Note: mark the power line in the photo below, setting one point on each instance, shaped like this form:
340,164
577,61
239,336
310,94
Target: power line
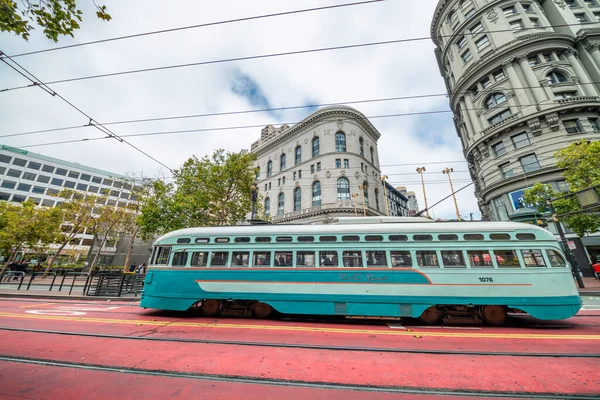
271,55
37,82
229,21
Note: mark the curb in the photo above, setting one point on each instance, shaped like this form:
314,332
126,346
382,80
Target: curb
590,293
66,297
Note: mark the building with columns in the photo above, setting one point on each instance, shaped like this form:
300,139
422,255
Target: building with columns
523,79
324,167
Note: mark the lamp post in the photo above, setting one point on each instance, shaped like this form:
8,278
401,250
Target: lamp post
447,171
354,196
362,192
387,206
420,172
254,197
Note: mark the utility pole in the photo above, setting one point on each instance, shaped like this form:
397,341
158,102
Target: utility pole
387,206
420,172
564,244
447,171
354,196
362,192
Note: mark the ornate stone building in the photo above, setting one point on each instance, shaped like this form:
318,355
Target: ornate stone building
523,79
324,167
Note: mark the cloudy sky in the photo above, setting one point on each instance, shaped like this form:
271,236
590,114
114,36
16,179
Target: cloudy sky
340,76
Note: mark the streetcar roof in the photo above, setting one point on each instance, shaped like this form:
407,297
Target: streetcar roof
368,225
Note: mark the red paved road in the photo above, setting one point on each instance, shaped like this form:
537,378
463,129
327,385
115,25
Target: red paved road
463,372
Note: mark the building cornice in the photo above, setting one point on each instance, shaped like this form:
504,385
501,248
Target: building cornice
317,116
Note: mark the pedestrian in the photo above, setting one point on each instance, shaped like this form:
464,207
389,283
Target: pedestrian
596,268
132,267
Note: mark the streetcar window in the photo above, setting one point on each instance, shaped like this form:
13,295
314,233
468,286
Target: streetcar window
556,259
305,259
242,240
423,237
376,259
479,258
219,259
240,259
262,239
202,240
283,258
306,238
352,259
199,259
327,239
183,240
533,258
507,259
262,258
328,258
447,237
473,236
453,259
499,236
427,259
162,255
180,259
398,238
525,236
222,240
374,238
352,238
283,239
401,259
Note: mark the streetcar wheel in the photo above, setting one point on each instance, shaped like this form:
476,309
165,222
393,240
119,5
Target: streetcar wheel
211,308
262,310
431,316
493,315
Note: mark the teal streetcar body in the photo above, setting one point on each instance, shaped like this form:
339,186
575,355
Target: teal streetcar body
364,267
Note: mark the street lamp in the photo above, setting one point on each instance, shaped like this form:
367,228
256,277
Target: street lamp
387,206
447,171
254,197
420,172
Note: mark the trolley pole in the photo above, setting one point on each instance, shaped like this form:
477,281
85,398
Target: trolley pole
447,171
387,205
362,192
354,196
565,246
420,172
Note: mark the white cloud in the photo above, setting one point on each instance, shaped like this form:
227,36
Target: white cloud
336,76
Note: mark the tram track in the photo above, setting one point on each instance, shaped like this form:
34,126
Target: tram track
303,346
296,383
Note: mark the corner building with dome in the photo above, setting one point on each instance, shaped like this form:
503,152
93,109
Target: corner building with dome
307,173
523,78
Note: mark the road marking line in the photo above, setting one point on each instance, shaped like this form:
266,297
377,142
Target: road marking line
37,305
305,329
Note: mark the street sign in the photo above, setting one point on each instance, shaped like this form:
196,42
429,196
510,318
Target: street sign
571,245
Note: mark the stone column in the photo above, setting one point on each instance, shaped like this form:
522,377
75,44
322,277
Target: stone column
586,83
466,117
516,84
468,101
532,82
594,50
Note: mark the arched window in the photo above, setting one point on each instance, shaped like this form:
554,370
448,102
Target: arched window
555,77
372,156
361,144
280,204
282,162
340,142
269,169
267,207
494,99
298,155
365,187
377,199
316,194
297,199
315,146
257,172
343,189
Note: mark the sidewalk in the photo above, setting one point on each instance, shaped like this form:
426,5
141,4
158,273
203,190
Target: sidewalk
592,287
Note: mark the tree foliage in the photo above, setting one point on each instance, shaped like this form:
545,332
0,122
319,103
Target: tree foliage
56,17
581,163
211,191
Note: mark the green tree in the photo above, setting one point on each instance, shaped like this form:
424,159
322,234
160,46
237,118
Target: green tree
108,222
26,226
56,17
211,191
581,164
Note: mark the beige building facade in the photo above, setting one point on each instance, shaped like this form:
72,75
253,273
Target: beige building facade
324,167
